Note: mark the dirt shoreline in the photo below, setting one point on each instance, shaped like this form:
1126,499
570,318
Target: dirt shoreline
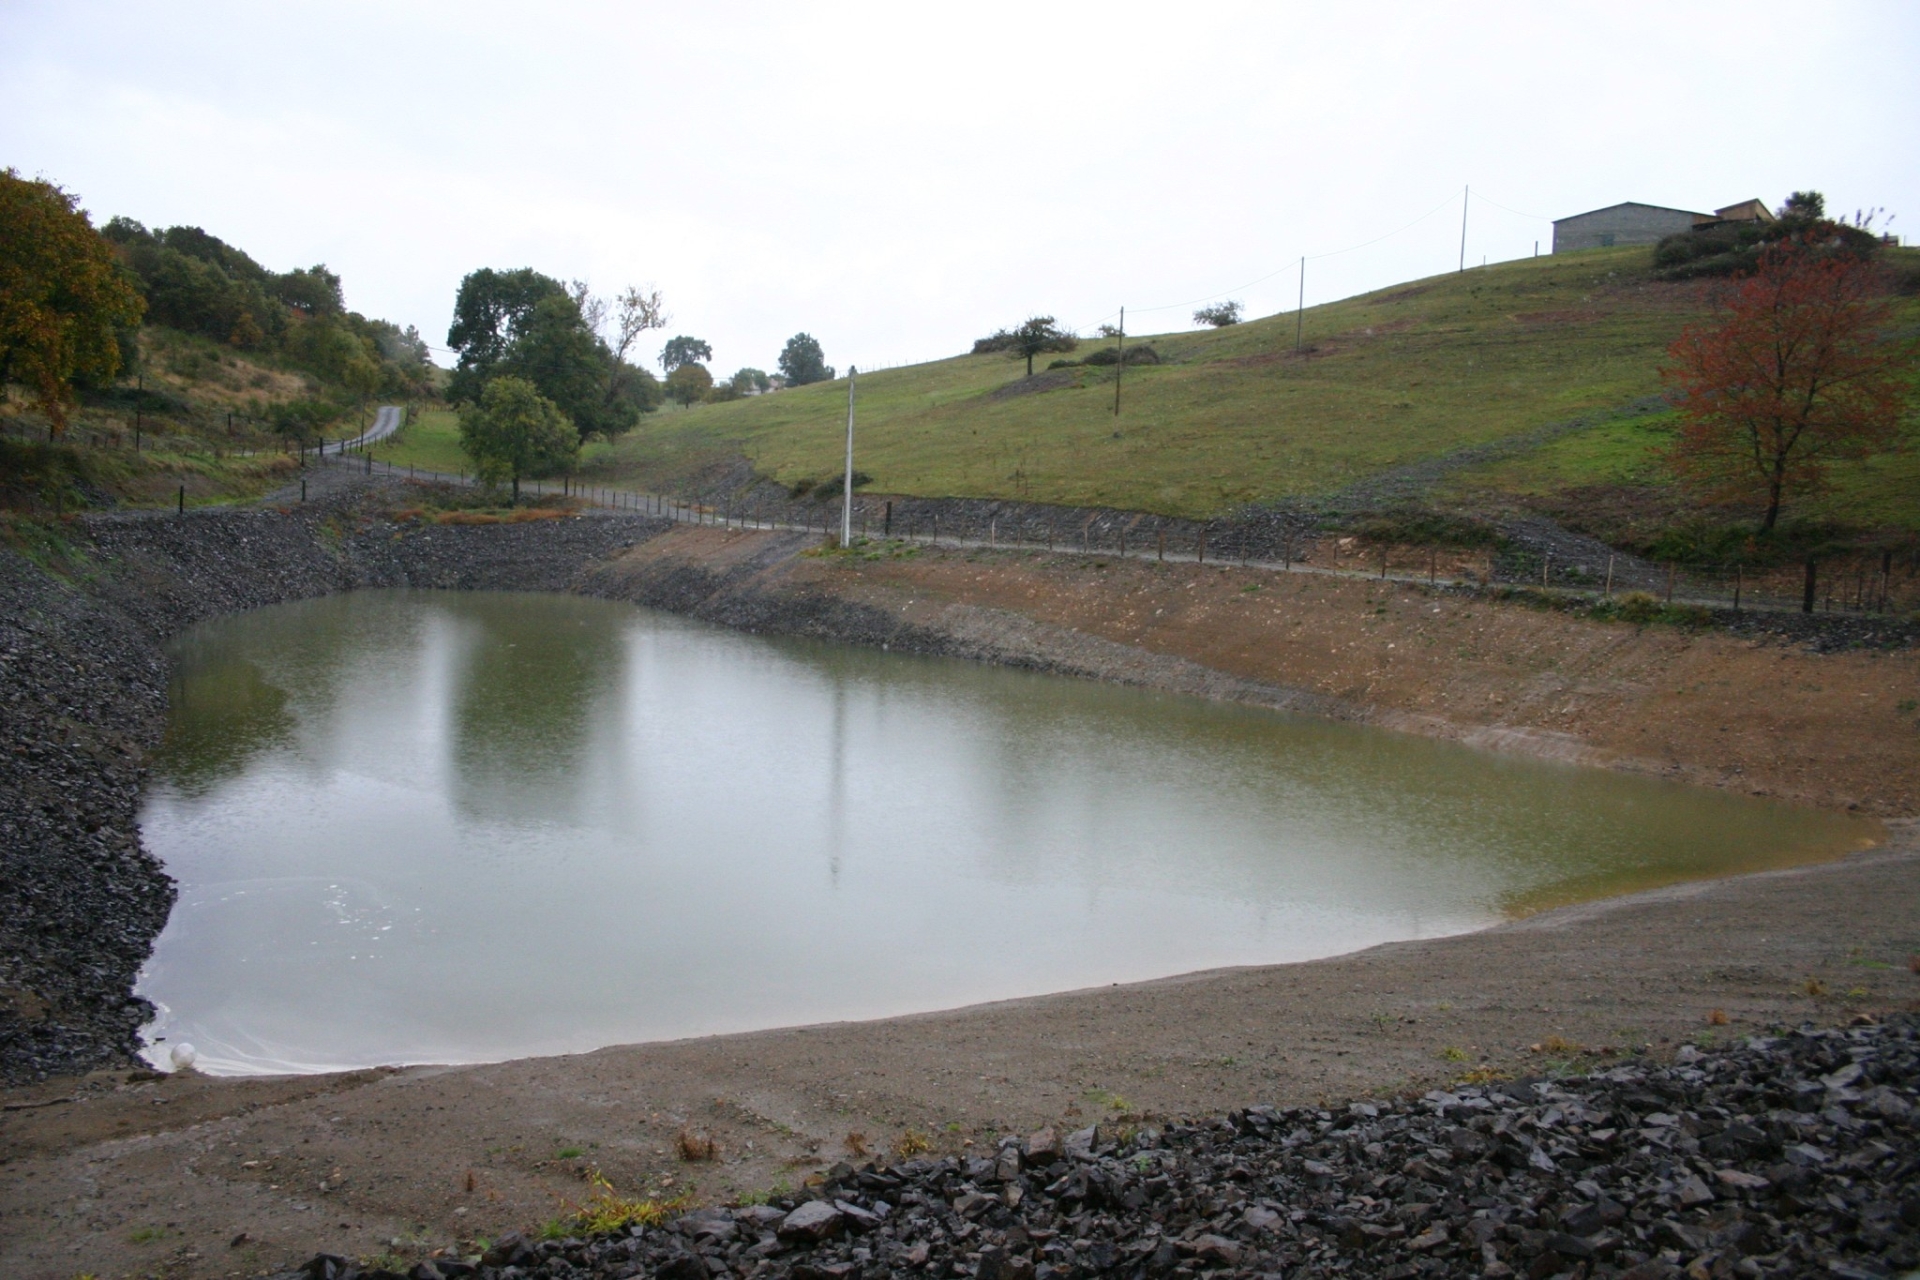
186,1176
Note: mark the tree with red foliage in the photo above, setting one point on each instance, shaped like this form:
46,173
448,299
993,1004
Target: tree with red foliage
1798,369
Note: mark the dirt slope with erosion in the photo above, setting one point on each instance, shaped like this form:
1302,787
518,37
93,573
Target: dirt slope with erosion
1756,715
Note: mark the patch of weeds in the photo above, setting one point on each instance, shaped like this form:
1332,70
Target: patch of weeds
912,1143
1484,1076
856,1144
1717,1018
1557,1045
1106,1098
1815,988
45,543
1452,1054
1906,706
569,1153
146,1235
606,1210
1642,609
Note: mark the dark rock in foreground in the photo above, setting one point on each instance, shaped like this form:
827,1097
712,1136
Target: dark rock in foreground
1790,1155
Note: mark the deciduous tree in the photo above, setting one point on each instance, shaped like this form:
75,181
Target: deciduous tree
1220,315
1035,336
689,383
802,361
682,350
514,431
1797,369
62,295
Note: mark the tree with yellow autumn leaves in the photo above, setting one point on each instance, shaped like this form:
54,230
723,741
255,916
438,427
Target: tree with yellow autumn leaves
63,295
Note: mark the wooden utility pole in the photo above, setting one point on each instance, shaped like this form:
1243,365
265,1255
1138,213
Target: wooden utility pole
1300,324
1120,367
846,503
1465,194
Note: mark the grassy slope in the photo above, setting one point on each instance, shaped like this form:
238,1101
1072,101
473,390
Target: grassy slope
1393,377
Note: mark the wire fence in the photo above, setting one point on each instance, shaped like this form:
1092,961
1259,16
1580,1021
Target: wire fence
1876,581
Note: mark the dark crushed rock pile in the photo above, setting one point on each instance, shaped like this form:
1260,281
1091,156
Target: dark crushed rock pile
1790,1155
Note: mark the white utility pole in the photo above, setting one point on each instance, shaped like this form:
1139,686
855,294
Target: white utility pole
846,503
1466,194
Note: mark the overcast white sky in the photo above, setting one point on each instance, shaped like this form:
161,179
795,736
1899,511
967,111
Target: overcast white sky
899,179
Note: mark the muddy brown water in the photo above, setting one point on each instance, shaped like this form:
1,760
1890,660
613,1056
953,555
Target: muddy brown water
453,827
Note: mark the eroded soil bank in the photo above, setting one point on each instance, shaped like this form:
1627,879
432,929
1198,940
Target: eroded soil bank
1755,714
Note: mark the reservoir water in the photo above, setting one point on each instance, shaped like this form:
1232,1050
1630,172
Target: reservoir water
440,827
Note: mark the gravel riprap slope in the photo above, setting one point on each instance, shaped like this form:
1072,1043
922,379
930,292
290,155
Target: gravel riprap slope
1788,1155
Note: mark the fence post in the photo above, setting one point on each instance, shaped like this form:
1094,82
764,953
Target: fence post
886,527
1806,599
1671,569
1546,570
1202,547
1736,588
1163,546
1609,588
183,500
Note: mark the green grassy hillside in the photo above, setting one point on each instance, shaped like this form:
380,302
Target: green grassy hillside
1403,376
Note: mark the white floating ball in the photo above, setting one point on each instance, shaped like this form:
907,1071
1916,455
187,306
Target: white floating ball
182,1055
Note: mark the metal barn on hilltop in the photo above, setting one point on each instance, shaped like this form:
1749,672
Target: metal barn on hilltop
1636,223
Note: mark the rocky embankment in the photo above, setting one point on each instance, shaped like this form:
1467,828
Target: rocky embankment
83,627
1787,1155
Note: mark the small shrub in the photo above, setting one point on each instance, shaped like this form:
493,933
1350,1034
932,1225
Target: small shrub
1718,1018
856,1145
1142,354
1638,608
1413,527
801,487
695,1148
913,1142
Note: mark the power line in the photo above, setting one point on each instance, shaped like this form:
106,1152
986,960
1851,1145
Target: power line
1516,212
1292,266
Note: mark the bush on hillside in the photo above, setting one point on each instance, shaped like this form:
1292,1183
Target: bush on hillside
1419,528
1142,354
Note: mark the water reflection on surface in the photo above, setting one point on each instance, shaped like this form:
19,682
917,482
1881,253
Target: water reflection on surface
417,826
